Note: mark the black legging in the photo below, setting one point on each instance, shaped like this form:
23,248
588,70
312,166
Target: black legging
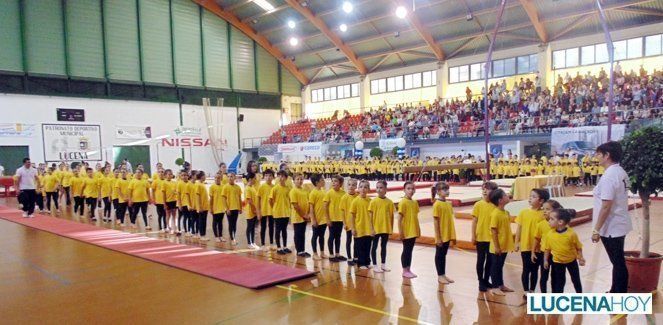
161,216
266,221
406,256
558,276
383,248
182,218
300,236
441,258
78,204
251,230
232,223
545,273
363,245
39,200
49,196
107,207
91,202
484,262
67,193
497,267
530,274
191,218
217,224
334,241
348,245
318,237
202,223
120,211
135,207
281,225
614,246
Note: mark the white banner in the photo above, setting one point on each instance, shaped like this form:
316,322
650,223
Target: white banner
133,132
388,144
17,130
71,142
188,131
304,148
583,140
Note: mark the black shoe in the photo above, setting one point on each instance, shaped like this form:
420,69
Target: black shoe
351,262
341,258
281,252
303,254
333,259
287,250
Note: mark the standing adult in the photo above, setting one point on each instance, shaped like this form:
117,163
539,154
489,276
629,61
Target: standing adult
127,164
26,181
610,214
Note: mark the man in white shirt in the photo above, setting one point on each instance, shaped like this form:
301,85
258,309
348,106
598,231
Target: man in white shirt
26,184
611,221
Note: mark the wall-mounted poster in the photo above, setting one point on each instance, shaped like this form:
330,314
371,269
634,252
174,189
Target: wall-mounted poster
71,142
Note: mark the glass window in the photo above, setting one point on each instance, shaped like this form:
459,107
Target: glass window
333,93
653,45
374,86
382,85
464,73
601,53
475,71
314,95
620,50
327,93
399,83
509,66
533,62
559,59
433,78
391,84
587,55
634,48
498,68
355,90
408,81
340,92
428,81
523,64
416,80
572,57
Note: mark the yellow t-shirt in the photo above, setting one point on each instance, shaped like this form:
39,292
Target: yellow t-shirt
409,209
138,189
542,229
115,190
183,193
106,184
383,215
50,183
193,202
233,194
298,197
170,188
157,191
444,212
315,198
563,246
333,198
281,206
202,197
66,178
263,196
528,219
91,189
218,203
121,188
250,193
500,220
77,186
481,211
346,201
359,209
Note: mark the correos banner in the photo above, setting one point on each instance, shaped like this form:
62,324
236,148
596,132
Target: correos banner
388,144
583,140
304,148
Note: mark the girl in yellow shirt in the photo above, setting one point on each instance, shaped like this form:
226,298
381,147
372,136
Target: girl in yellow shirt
346,201
169,190
50,185
332,203
202,198
159,199
445,229
183,203
91,189
566,250
218,208
121,191
279,199
66,175
298,198
318,216
481,234
77,191
381,212
252,208
502,240
106,184
232,194
362,227
527,221
139,196
265,212
542,229
408,221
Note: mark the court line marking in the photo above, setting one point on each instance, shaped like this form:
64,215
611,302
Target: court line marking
347,303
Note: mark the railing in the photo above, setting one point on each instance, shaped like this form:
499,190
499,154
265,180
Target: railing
249,143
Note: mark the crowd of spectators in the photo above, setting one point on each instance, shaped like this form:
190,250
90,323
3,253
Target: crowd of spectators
526,107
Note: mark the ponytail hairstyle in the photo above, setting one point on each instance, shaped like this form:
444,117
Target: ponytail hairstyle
565,215
438,186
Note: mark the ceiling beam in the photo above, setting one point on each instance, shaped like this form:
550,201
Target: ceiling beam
320,24
214,8
462,47
238,5
424,33
573,25
643,11
533,15
264,13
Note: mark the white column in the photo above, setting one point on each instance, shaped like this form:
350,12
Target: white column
545,66
364,92
442,79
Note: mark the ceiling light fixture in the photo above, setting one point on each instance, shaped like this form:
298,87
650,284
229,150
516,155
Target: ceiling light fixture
347,7
343,28
264,5
401,12
292,24
293,41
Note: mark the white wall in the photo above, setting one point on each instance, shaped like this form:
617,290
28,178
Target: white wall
163,118
474,148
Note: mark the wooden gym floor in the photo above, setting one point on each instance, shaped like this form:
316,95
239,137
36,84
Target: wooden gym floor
45,278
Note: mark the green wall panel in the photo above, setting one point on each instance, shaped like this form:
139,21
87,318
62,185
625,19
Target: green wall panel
84,38
155,39
122,40
268,71
215,42
186,33
289,84
241,58
44,37
10,36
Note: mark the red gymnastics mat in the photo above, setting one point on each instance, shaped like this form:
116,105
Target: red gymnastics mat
239,270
